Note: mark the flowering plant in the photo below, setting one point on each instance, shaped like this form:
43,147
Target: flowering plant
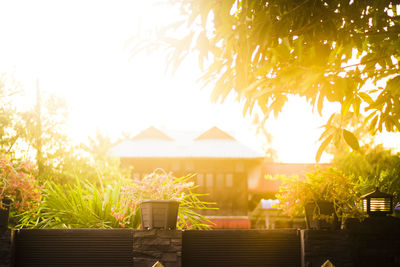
18,183
161,185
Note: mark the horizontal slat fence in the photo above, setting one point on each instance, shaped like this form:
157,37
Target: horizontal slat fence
115,247
73,247
241,248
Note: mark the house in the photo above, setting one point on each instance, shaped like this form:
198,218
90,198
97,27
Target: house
222,166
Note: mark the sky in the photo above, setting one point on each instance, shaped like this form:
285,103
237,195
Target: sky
79,50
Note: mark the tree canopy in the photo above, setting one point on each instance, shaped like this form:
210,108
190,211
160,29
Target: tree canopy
267,50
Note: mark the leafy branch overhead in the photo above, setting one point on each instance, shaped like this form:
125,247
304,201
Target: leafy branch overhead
322,50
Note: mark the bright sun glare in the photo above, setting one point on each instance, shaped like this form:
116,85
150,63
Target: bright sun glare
78,49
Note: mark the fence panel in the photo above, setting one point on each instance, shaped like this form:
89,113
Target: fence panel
241,248
73,247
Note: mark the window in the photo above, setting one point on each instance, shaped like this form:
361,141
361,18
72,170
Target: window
176,166
209,180
239,167
229,180
200,180
220,180
189,166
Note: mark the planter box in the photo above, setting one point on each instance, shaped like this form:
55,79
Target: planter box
159,214
320,208
5,213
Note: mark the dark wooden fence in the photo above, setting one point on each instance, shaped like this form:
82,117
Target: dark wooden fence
73,247
241,248
116,247
374,244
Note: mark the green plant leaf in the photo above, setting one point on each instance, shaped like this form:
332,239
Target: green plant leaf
351,140
322,147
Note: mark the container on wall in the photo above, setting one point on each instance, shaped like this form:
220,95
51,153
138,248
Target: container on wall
159,214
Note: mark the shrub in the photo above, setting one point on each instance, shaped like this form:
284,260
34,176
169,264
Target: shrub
82,205
115,205
160,185
327,184
18,183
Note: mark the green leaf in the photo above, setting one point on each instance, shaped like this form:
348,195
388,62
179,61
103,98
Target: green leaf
397,124
320,104
322,147
372,126
366,97
356,105
351,140
346,106
393,85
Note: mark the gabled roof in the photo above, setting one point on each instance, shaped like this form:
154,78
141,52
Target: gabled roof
152,133
214,133
213,143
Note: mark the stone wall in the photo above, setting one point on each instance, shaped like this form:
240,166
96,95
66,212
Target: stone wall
150,246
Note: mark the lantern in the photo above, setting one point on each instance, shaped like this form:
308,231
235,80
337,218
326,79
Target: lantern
377,203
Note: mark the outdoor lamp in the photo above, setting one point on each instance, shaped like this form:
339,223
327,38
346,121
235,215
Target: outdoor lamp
377,203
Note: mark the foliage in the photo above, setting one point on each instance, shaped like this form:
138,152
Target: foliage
82,205
329,184
98,147
9,127
97,150
160,185
340,140
39,130
57,158
58,164
44,131
267,50
373,167
261,131
18,183
114,205
355,174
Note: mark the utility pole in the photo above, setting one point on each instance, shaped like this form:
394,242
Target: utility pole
39,154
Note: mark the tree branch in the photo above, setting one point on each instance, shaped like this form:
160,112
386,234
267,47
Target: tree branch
368,61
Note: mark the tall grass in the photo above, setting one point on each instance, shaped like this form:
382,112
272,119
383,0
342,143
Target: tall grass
115,205
82,205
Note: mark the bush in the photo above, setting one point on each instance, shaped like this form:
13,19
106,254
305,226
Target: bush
19,184
160,185
329,184
115,205
82,205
